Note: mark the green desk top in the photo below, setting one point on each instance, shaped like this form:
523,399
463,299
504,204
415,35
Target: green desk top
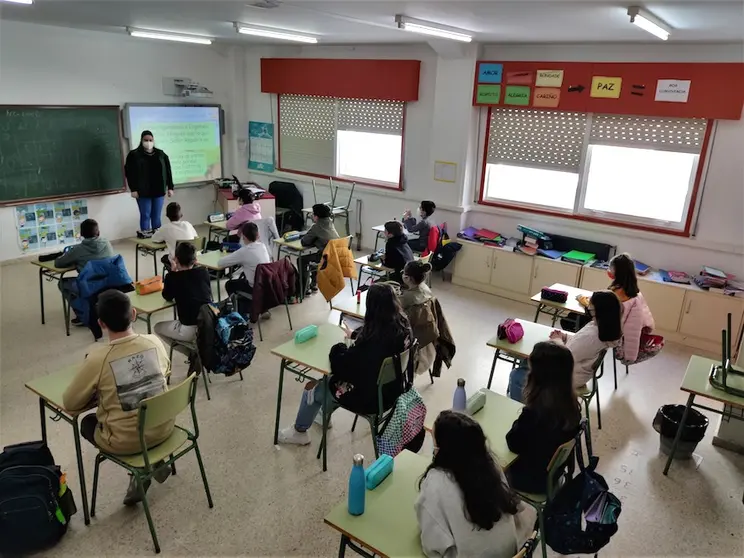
379,228
313,353
210,259
696,381
348,306
571,304
533,334
52,387
496,419
49,266
221,225
388,526
293,245
364,261
148,243
149,303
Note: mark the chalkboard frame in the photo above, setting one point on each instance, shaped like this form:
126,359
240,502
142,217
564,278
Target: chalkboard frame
128,134
11,203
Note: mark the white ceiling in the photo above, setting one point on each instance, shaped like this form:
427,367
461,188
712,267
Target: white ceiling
364,21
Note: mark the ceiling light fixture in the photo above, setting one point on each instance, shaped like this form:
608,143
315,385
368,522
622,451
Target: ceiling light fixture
274,34
649,23
164,36
27,2
431,29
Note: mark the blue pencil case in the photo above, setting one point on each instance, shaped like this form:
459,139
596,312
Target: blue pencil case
231,246
378,471
306,333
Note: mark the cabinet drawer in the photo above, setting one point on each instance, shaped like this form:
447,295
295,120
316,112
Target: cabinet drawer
473,263
704,315
511,271
548,272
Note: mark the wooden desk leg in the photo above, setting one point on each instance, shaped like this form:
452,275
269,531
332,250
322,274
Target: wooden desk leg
41,294
81,471
493,366
279,400
678,436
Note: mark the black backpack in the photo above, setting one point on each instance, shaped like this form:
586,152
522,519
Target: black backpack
35,508
224,339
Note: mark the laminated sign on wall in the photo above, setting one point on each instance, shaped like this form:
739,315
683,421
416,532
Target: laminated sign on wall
49,224
673,90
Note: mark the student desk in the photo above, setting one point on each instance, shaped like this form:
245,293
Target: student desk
558,309
52,273
496,419
294,248
209,260
147,305
302,359
388,527
50,389
146,247
533,334
218,229
349,307
377,266
696,383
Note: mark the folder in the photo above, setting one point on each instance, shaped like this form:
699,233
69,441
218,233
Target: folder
576,256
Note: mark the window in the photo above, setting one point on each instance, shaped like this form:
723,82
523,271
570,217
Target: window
627,169
352,139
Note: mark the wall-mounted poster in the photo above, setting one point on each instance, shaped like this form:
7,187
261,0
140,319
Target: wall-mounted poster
261,146
48,224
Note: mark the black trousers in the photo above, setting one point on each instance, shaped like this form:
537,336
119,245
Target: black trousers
88,428
303,263
240,285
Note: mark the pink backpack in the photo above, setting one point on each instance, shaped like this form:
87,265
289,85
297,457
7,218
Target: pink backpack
511,330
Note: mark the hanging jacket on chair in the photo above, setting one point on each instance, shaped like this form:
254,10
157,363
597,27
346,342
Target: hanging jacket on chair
96,277
336,264
273,284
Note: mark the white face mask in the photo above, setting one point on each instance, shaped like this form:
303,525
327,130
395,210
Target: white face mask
148,145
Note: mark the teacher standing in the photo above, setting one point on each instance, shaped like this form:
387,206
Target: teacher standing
149,176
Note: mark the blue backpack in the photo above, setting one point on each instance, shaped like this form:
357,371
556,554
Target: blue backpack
225,340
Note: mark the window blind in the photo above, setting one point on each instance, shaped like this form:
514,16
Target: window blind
671,134
365,115
537,138
307,130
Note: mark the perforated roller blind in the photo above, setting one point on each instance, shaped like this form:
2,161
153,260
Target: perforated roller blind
537,138
307,128
676,134
370,116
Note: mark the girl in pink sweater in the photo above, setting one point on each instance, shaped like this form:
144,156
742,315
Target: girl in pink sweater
249,210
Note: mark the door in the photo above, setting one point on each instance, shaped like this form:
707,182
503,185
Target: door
511,271
665,302
547,272
704,315
473,263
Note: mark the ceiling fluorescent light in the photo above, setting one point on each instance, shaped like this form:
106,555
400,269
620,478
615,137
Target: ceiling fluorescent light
649,23
27,2
274,34
431,29
162,36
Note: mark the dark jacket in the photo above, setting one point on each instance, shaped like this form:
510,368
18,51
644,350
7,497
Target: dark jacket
273,284
397,252
358,366
191,289
138,174
535,442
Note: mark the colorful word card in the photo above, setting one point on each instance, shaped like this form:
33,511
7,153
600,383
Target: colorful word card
488,94
519,78
517,95
546,97
549,78
606,87
673,90
490,73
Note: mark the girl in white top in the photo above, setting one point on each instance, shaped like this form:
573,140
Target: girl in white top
603,332
465,507
249,256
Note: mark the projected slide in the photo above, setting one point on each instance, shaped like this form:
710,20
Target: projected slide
190,136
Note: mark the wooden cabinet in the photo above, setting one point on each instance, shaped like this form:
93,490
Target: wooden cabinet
593,279
664,301
546,272
473,263
704,315
511,271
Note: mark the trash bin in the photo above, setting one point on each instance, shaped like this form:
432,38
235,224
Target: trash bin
666,422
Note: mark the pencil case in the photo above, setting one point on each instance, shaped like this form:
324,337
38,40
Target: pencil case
553,295
306,333
475,402
378,471
230,247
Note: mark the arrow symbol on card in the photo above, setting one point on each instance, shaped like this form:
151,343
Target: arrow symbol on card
575,88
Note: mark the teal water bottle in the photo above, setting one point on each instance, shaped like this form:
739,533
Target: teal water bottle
460,399
357,488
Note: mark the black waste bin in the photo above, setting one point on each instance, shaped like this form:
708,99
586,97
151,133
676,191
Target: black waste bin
666,422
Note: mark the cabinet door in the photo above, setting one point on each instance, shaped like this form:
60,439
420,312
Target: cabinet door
665,303
547,272
511,271
593,279
473,263
704,315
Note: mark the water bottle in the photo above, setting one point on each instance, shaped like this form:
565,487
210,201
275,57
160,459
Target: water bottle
357,486
459,401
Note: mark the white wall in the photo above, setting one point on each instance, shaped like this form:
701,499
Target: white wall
56,66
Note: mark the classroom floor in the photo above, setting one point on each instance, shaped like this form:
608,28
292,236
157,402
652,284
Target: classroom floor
271,501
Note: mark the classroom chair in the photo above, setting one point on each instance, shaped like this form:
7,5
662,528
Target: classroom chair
193,353
237,295
587,394
391,370
559,471
155,411
198,242
528,547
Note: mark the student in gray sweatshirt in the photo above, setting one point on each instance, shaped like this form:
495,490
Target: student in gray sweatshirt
316,236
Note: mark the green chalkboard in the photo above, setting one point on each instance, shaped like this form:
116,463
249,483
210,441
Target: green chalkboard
55,152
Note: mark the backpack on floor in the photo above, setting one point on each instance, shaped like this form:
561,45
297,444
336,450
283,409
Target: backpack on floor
35,502
225,340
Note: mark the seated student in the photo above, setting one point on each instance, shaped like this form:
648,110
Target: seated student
93,247
414,278
116,378
397,251
465,506
549,418
251,254
602,332
191,288
426,210
317,236
423,321
248,210
173,231
354,369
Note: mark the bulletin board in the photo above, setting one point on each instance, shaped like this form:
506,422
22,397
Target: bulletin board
682,90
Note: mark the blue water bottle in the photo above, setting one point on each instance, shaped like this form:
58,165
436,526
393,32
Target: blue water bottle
357,488
460,400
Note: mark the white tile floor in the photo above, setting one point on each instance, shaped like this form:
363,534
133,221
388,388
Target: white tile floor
271,502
